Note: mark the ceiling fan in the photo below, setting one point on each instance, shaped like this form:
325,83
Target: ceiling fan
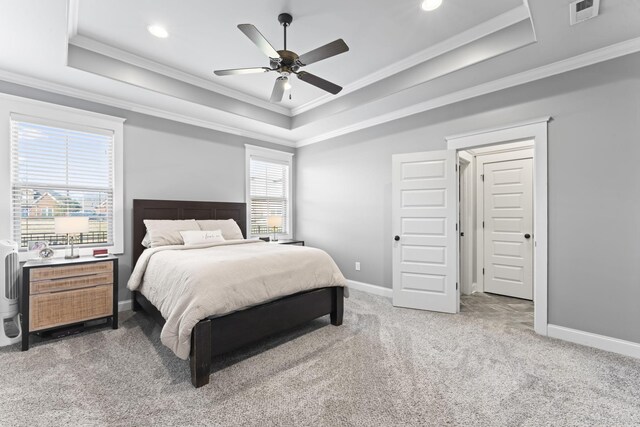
287,62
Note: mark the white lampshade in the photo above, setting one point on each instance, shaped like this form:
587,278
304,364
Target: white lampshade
71,224
274,221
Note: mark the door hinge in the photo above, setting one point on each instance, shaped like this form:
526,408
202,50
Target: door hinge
456,168
456,286
482,177
456,227
483,271
482,224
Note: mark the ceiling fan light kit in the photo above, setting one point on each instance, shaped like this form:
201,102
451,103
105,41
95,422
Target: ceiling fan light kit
286,62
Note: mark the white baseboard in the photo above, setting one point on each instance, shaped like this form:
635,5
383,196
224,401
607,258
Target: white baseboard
125,305
614,345
370,289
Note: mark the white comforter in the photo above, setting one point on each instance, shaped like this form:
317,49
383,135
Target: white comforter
190,283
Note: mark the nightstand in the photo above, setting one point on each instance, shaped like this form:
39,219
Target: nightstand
289,242
62,292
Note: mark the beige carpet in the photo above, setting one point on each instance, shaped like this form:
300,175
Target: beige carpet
384,366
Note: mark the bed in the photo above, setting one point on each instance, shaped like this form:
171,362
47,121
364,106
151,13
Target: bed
213,336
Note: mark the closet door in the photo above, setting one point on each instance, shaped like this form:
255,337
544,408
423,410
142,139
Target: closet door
424,209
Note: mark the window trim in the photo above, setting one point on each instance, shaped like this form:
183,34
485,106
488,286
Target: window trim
275,155
15,105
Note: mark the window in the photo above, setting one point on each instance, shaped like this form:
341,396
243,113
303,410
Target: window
269,191
63,162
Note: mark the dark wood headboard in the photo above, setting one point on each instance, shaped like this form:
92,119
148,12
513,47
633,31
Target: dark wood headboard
176,209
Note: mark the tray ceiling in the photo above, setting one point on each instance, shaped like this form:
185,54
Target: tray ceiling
428,62
204,37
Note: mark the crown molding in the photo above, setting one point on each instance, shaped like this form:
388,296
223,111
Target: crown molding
579,61
138,61
583,60
491,26
61,89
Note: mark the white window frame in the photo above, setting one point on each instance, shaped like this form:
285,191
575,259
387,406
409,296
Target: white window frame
278,156
15,105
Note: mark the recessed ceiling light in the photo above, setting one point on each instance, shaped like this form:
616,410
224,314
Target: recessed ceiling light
430,5
158,31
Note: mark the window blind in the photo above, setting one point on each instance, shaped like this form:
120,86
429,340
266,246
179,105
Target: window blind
61,170
269,193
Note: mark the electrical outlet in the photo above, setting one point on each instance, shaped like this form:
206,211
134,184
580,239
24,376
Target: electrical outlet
357,265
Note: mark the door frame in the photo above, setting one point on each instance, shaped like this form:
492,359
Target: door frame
535,130
481,160
466,200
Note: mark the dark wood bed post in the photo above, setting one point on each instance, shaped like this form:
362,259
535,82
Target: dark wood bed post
135,305
337,306
200,357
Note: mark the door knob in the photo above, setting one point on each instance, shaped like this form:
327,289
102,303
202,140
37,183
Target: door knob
396,238
527,236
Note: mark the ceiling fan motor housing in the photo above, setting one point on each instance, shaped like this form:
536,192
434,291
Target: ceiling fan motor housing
285,19
287,63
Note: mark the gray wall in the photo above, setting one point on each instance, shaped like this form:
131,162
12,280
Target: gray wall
344,189
166,160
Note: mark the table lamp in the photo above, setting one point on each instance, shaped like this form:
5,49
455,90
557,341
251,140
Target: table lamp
274,221
71,225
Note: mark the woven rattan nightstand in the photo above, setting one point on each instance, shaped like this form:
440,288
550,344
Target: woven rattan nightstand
62,292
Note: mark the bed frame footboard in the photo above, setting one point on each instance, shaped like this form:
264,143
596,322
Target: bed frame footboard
212,337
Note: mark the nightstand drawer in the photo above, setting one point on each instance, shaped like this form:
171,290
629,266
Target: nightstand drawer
58,272
61,308
65,284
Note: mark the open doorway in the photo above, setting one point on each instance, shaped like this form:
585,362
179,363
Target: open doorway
496,207
426,221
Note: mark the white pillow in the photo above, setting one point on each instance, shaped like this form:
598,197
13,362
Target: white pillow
164,232
229,228
200,237
146,241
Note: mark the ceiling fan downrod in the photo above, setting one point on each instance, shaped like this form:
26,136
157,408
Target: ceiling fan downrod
285,20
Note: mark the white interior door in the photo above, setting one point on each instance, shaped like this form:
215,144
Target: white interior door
424,226
508,228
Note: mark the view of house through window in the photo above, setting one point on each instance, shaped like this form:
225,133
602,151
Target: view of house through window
270,194
59,170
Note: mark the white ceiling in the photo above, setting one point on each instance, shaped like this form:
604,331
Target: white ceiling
204,35
35,52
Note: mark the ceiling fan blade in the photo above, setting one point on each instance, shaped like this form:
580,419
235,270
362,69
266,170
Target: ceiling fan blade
258,39
238,71
318,82
278,89
327,51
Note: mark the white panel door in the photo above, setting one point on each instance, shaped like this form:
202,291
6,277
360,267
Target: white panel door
508,216
424,226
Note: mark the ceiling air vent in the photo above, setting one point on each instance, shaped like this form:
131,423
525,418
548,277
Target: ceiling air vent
581,10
